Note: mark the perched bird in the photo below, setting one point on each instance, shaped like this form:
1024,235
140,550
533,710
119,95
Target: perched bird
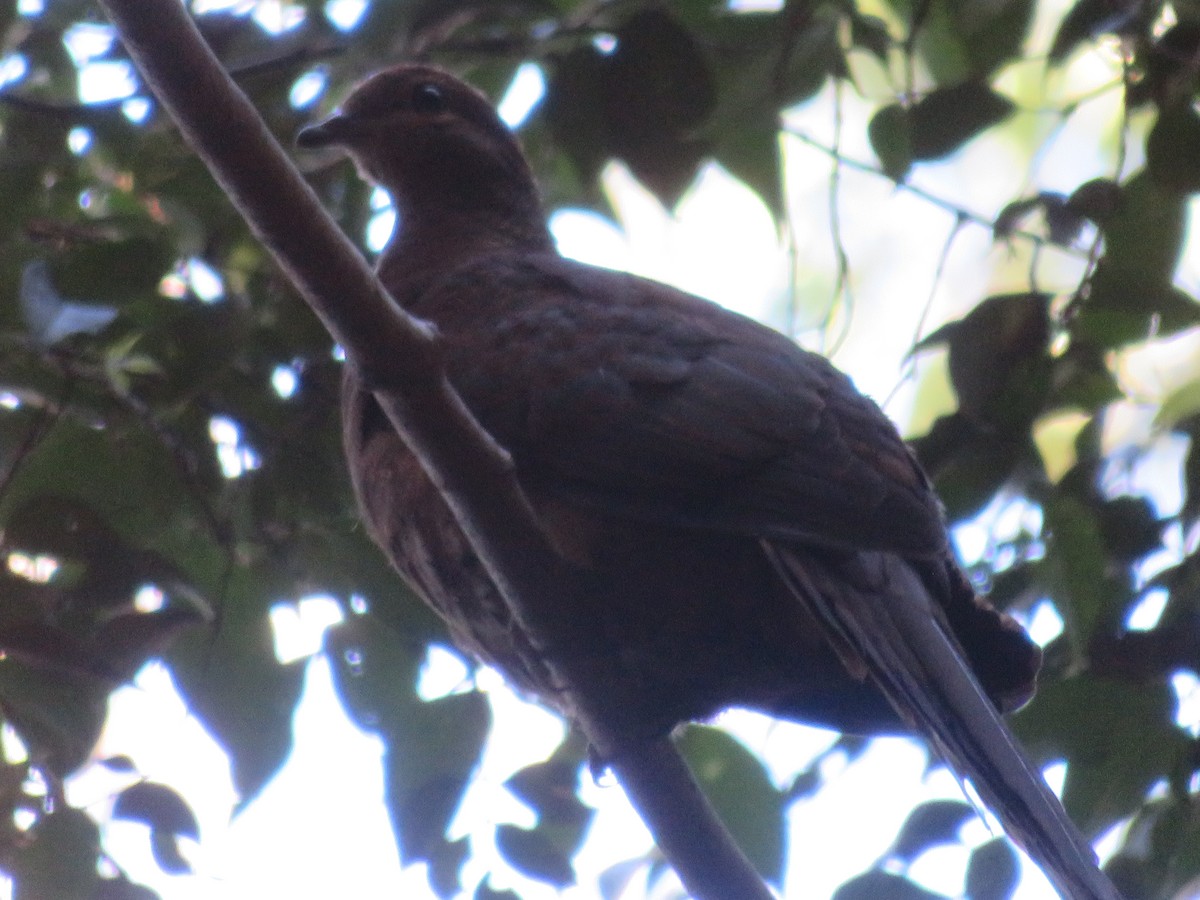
755,531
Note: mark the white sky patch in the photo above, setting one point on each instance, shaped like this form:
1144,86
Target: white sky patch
1146,613
1187,688
278,16
442,673
1044,623
87,40
235,458
205,281
308,88
79,139
13,68
524,93
299,628
284,381
137,109
105,81
38,568
149,599
380,228
345,15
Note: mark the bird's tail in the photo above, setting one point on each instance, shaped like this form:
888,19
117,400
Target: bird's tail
882,621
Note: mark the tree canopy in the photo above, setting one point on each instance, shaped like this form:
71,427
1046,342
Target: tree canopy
170,467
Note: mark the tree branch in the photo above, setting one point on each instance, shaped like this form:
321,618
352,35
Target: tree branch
401,357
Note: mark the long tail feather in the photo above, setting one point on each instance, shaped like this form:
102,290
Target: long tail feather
880,618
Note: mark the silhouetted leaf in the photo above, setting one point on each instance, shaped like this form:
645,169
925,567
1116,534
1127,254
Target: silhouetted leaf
428,762
121,888
158,806
890,132
1106,779
942,121
932,823
740,791
486,892
1086,20
531,853
1173,148
877,884
993,872
59,860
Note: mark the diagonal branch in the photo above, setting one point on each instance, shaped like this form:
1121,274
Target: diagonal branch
401,356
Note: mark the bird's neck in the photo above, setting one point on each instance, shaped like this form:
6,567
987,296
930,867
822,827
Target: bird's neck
431,243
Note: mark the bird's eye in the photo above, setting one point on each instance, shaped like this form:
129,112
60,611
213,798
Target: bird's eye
428,99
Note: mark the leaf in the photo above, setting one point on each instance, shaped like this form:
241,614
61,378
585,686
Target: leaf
485,891
1075,569
1145,235
59,715
428,761
59,861
530,853
644,103
1106,779
742,794
115,271
121,888
233,682
871,34
890,133
999,364
1173,148
877,884
158,806
993,872
964,39
942,121
1123,305
1088,19
164,847
932,823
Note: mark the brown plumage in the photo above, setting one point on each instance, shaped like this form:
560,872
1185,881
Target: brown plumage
756,531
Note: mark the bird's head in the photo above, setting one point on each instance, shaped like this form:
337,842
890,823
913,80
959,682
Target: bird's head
433,142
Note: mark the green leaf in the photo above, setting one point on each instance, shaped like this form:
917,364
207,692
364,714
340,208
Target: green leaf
1123,306
932,823
1173,148
114,271
999,364
890,133
59,714
739,789
1088,19
942,121
532,854
877,884
233,682
1145,235
59,862
428,761
1106,779
158,806
993,872
1075,569
961,39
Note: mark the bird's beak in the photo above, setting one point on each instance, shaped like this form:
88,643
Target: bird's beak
335,130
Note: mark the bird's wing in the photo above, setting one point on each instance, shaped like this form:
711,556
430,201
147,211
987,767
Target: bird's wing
630,396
